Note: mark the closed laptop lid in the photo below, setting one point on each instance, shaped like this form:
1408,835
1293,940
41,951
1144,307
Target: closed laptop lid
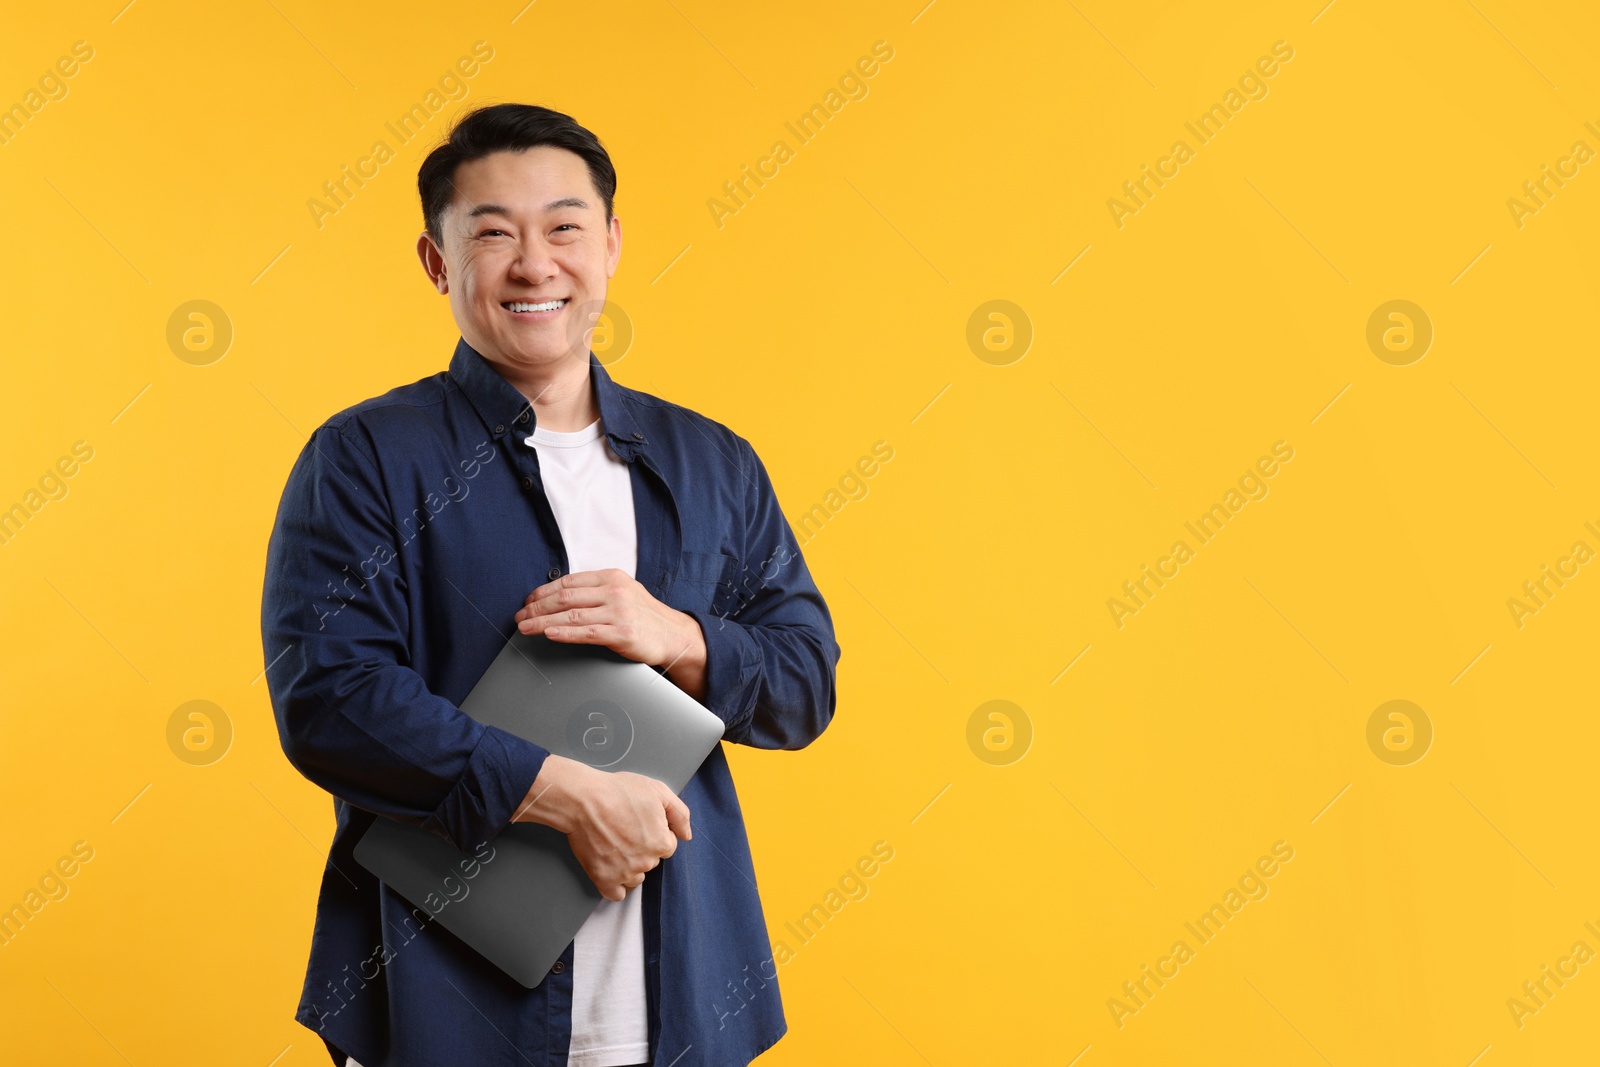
520,898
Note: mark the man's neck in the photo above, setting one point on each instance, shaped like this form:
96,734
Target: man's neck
562,396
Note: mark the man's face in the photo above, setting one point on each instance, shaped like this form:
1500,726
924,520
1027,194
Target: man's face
525,228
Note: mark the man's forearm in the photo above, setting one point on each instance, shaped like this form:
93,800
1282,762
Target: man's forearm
556,796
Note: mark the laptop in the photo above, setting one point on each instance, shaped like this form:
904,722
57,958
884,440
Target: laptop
520,899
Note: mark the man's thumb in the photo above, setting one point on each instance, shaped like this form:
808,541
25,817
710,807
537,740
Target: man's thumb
678,816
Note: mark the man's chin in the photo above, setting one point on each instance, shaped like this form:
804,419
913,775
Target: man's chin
544,352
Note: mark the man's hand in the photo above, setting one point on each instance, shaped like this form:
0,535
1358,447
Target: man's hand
619,824
608,607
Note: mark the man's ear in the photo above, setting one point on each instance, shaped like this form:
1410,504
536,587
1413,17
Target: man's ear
432,261
613,245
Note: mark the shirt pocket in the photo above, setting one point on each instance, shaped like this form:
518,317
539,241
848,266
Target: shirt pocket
705,582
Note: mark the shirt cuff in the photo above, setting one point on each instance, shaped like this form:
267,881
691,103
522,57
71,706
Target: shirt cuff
733,662
499,774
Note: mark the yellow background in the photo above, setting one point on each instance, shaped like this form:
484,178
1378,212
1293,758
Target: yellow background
825,316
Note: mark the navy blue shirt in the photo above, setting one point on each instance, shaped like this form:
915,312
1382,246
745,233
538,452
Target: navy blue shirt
412,528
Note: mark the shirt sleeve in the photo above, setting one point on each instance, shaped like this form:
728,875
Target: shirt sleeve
771,655
352,716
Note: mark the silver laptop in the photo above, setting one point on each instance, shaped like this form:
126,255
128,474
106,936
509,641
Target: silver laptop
520,899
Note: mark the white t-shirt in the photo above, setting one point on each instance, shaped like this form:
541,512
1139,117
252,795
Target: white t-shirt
591,493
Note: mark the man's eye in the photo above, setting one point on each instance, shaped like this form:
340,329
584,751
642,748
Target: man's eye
567,226
486,233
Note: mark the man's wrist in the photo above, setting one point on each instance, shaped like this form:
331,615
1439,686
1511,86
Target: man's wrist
687,667
557,794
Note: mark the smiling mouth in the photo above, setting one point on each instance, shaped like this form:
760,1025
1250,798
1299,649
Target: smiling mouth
535,309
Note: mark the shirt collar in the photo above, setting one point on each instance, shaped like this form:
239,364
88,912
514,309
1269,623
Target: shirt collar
503,409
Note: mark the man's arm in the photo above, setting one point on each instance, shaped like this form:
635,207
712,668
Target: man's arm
769,664
350,717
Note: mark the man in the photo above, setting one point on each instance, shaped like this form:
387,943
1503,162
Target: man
523,489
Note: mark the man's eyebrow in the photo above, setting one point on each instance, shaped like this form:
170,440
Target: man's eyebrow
497,209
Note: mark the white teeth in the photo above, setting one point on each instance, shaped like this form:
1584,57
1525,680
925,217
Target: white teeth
548,305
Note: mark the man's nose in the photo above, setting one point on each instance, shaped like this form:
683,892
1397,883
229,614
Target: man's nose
533,262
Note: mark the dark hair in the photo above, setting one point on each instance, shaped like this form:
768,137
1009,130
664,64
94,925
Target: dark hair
507,128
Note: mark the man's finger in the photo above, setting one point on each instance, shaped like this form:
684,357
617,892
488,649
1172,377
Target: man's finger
591,634
596,615
568,581
677,814
560,600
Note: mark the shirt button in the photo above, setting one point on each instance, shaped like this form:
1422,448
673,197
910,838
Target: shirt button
637,436
523,417
558,968
555,572
527,483
500,428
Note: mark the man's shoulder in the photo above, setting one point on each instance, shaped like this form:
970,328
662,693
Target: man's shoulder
682,429
401,414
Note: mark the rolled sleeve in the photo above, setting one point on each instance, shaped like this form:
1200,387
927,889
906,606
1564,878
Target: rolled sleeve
771,657
499,773
733,667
